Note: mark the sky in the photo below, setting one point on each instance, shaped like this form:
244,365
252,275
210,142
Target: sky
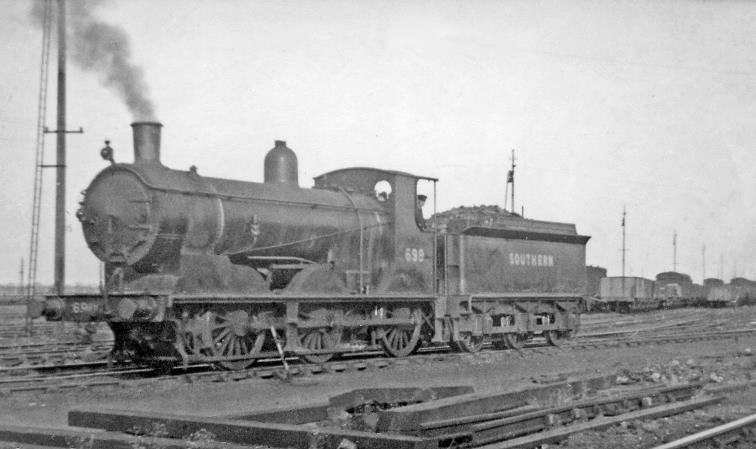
643,105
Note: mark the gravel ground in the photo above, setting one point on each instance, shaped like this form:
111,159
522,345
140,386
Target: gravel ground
718,362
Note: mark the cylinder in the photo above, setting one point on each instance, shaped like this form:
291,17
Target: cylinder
146,142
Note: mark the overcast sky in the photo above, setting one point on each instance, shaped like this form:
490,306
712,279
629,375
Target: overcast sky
646,105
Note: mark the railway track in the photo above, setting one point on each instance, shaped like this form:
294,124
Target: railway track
13,330
741,430
529,421
59,355
98,374
22,354
401,417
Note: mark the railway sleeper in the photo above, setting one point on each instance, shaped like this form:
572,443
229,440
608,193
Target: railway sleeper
547,418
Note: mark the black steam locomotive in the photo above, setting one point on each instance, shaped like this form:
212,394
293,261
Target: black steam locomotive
214,270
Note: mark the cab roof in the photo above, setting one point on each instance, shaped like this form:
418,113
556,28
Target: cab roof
343,171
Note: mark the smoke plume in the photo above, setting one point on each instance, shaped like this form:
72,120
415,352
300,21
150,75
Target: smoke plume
104,49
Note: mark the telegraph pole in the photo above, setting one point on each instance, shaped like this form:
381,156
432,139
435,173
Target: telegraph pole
60,170
510,178
60,162
674,252
21,279
27,320
703,263
624,250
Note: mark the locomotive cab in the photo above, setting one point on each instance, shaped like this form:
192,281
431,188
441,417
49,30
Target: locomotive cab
410,250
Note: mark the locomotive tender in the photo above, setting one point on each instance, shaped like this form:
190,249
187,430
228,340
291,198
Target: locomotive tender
214,270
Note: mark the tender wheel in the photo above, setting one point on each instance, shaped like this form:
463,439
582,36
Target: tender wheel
467,343
318,340
232,336
402,340
514,341
557,338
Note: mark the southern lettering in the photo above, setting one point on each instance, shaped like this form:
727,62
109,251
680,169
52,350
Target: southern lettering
531,260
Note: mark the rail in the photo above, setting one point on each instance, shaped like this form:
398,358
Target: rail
713,434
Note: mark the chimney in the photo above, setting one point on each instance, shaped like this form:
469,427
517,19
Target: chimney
147,142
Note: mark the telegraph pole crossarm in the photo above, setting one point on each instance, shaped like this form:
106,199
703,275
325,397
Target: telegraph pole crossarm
57,131
65,131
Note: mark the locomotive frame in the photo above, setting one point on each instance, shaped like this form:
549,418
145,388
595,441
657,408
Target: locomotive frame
363,275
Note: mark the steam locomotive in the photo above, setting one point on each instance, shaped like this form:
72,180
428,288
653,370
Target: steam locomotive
213,270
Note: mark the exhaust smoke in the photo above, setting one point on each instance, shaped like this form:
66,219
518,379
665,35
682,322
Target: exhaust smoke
104,49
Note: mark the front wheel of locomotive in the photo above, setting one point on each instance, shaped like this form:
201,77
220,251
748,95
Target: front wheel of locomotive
401,340
232,337
147,344
122,351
